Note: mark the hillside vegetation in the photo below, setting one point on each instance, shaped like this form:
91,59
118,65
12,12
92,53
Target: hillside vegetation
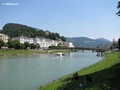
105,75
14,30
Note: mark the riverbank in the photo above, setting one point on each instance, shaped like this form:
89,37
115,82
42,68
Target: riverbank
105,75
28,52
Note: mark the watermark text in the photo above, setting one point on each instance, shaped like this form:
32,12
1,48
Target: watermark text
10,4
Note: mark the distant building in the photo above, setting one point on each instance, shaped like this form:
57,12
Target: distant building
60,42
23,39
104,46
4,37
47,32
68,44
44,43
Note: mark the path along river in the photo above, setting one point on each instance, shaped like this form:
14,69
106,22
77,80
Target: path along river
32,71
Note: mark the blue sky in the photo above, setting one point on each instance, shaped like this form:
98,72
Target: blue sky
70,18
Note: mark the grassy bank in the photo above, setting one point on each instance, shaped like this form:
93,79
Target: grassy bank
13,52
27,52
105,75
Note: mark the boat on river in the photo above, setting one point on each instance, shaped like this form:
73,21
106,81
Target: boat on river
59,54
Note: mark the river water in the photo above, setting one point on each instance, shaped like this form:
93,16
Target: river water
32,71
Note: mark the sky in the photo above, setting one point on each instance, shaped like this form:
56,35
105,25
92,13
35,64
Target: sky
69,18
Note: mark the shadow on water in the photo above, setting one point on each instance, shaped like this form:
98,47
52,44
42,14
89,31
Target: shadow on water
107,79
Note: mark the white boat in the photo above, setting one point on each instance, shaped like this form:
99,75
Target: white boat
59,54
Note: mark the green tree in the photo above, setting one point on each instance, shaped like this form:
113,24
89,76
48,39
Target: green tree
63,38
118,6
1,43
40,33
50,36
17,44
10,43
22,46
54,37
119,43
26,45
38,46
32,46
58,35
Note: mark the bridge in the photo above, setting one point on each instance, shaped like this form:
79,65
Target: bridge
88,48
83,48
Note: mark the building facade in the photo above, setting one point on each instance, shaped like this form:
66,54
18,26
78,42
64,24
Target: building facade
23,39
68,44
104,46
44,43
4,38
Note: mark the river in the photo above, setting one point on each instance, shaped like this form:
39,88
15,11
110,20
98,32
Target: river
31,71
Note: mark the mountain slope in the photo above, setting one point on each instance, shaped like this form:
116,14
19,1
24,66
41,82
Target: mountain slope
15,30
87,42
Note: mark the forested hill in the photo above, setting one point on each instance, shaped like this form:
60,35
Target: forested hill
14,30
87,42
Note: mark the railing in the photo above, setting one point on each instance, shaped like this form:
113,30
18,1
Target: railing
82,48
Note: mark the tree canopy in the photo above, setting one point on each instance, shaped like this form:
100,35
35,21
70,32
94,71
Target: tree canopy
118,6
15,30
118,13
119,43
1,43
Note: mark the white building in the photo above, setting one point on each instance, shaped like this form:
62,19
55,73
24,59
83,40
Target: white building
44,43
4,37
23,39
104,46
68,44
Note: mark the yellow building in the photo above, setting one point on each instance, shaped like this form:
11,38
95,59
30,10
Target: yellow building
4,37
